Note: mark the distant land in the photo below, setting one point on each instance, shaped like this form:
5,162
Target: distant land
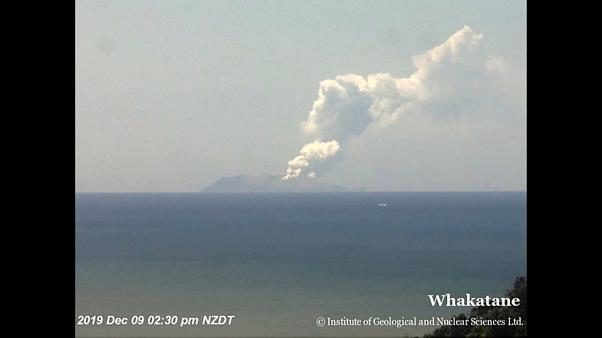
271,183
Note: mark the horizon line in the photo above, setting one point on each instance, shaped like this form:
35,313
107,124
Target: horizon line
292,192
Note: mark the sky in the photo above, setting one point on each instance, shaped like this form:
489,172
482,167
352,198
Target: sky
172,95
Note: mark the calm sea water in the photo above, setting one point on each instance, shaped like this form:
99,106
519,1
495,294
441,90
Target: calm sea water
278,261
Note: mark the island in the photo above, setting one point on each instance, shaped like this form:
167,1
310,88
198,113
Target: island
271,183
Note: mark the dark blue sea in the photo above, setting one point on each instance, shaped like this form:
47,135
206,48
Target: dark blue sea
278,261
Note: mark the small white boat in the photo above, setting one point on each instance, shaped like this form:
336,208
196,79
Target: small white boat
382,204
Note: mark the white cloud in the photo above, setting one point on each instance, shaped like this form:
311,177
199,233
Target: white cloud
450,79
310,157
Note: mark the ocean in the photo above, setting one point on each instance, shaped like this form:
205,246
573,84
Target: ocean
279,261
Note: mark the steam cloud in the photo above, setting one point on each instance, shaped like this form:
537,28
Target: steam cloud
447,78
310,157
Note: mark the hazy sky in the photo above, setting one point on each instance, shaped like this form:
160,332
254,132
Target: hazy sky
171,95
